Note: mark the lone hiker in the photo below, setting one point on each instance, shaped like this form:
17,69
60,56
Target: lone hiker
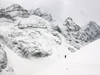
65,56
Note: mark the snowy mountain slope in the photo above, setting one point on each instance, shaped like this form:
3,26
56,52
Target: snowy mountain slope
83,62
5,67
23,66
89,54
33,37
65,68
33,21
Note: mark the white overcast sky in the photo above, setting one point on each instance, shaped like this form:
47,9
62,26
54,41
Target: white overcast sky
82,11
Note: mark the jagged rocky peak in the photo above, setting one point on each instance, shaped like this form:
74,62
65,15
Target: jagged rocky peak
80,36
92,29
71,26
41,13
93,25
87,34
14,10
69,21
15,7
37,11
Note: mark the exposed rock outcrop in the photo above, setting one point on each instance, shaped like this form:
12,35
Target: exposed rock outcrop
3,59
70,25
13,11
80,36
39,12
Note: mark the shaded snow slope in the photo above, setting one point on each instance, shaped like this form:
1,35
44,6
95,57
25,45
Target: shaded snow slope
23,66
89,54
5,67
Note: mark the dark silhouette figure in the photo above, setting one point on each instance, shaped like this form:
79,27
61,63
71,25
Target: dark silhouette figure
65,56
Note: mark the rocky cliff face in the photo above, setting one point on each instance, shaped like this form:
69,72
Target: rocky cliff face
93,30
13,11
80,36
70,25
